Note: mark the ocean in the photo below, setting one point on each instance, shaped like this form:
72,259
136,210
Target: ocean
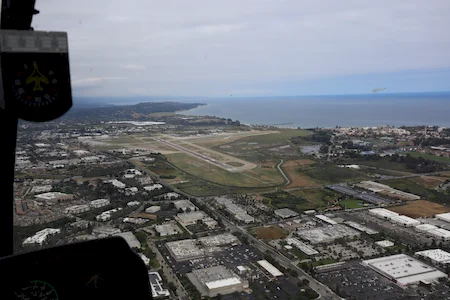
330,111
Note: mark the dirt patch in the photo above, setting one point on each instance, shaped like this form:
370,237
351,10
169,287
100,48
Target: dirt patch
298,163
427,182
270,233
258,197
421,209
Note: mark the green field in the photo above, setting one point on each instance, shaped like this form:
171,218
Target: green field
409,186
316,198
283,135
327,173
351,203
259,177
431,157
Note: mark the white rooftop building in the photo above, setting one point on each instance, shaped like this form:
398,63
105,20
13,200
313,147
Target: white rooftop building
405,221
153,187
190,218
54,196
99,203
41,189
440,233
385,243
135,220
133,203
153,209
130,238
155,284
383,213
326,219
246,218
270,268
285,213
404,270
104,231
218,240
184,249
41,236
425,227
216,280
436,255
165,230
444,217
308,250
185,205
116,183
106,215
77,209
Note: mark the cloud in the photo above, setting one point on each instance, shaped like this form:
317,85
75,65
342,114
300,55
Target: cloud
93,81
203,47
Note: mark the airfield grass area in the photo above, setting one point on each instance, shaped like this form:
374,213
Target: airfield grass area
327,173
431,157
292,170
421,209
270,233
259,177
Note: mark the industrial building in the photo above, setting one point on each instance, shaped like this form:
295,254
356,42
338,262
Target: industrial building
383,213
425,227
387,190
41,189
106,215
360,227
153,209
437,256
104,231
54,197
285,213
271,269
385,243
137,221
326,219
116,183
404,270
440,233
326,234
184,249
171,195
222,200
190,218
156,286
444,217
99,203
185,205
246,218
133,203
234,209
218,240
217,280
153,187
308,250
77,209
130,238
405,221
166,229
41,236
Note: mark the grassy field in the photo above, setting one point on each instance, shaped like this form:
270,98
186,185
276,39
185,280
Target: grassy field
381,163
328,173
431,157
282,135
282,199
352,203
259,177
292,169
421,209
270,233
428,182
201,188
408,185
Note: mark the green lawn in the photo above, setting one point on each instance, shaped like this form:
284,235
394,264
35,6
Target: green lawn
352,203
283,135
324,262
328,173
431,157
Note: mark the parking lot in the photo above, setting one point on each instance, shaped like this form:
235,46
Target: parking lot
359,282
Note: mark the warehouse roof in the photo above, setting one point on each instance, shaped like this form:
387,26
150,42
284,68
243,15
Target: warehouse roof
437,255
222,283
270,268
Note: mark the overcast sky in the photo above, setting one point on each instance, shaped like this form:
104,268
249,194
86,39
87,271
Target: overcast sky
252,47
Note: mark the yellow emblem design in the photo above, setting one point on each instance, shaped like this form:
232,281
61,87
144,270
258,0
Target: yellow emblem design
37,78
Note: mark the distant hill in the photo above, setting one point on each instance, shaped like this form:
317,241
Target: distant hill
101,111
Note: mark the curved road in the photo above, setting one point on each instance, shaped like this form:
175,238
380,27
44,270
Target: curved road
282,173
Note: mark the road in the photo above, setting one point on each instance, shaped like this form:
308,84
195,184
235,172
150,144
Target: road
323,291
288,181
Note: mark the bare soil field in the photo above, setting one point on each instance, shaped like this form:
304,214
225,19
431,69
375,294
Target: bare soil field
270,233
421,209
428,182
298,179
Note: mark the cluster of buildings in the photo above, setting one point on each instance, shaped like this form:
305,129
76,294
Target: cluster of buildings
235,210
387,191
78,209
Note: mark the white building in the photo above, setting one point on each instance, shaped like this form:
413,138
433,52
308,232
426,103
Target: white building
99,203
285,213
385,243
41,189
155,284
190,218
116,183
165,230
216,280
130,238
54,196
41,236
104,231
77,209
383,213
425,227
133,203
438,256
444,217
440,233
246,218
153,209
404,270
153,187
308,250
185,205
106,215
270,268
405,221
326,219
138,221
